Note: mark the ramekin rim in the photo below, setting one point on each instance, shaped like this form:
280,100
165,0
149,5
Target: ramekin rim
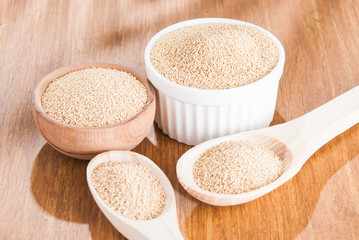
169,83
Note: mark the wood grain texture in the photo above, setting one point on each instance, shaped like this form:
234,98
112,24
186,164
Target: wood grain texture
44,195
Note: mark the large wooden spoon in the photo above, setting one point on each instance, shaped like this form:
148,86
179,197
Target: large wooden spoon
164,226
294,142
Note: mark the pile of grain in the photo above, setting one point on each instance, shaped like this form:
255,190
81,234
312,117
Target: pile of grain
235,167
94,97
130,189
214,55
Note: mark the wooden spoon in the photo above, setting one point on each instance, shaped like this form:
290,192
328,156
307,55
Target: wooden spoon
294,142
165,226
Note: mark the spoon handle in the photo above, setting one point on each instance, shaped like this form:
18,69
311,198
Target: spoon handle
162,228
306,134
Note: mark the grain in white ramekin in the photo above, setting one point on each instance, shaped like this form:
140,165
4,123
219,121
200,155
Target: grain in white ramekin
193,115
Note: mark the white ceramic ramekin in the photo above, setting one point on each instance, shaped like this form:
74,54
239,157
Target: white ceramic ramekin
192,115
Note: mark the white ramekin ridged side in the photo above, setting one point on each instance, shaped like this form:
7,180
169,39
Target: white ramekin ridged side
191,115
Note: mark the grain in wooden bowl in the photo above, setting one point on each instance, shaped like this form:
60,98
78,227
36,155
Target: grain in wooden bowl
87,109
94,97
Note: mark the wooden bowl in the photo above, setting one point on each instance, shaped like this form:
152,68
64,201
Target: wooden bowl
86,142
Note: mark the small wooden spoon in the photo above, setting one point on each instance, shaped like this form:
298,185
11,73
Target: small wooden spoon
294,142
165,226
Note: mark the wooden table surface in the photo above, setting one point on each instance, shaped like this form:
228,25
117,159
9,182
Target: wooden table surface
44,195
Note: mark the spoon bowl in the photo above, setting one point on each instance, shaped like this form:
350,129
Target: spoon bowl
163,226
294,142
